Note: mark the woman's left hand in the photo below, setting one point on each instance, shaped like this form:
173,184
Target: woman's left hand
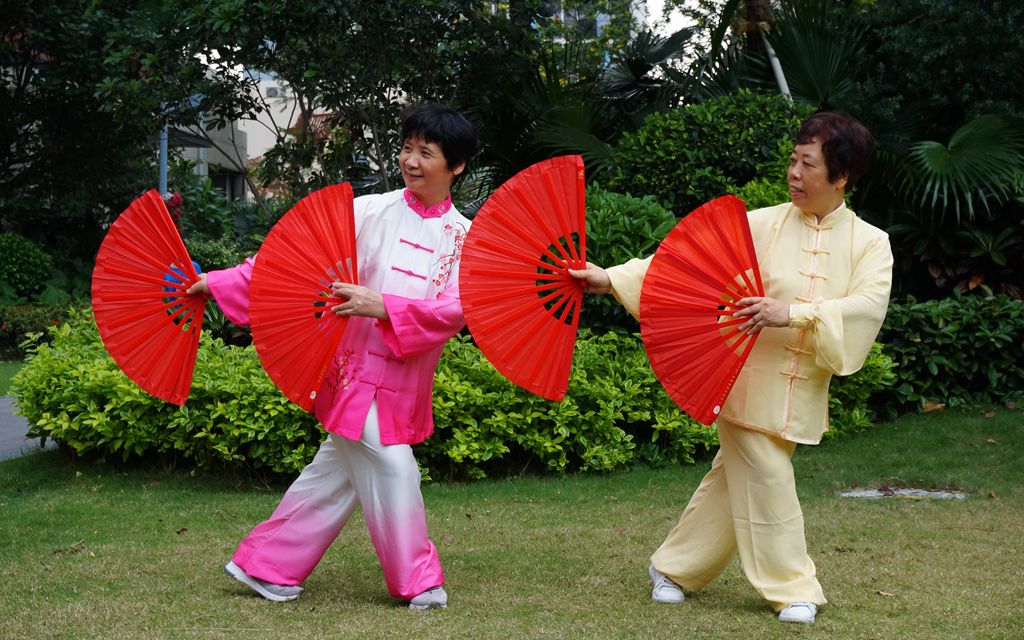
360,301
763,312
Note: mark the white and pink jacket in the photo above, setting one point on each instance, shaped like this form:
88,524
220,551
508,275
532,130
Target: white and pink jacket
410,254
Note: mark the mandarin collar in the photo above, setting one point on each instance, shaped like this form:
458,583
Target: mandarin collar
829,221
435,211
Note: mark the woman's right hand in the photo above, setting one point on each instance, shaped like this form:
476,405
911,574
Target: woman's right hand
200,287
594,279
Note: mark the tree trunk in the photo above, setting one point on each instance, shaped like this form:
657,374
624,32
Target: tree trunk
757,13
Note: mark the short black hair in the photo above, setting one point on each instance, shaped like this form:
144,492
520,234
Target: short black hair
443,126
846,144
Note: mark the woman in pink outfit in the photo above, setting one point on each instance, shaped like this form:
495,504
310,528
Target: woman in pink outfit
375,401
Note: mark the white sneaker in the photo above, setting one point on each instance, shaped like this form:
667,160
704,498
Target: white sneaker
802,612
435,598
665,591
270,591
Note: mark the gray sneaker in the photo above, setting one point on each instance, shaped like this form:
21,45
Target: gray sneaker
270,591
435,598
664,591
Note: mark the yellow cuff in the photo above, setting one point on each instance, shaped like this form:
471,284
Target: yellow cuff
801,315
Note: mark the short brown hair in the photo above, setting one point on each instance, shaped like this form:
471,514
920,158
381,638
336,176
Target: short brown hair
846,143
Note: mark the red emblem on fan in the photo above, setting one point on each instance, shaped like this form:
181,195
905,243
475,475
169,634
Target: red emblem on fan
520,303
703,266
147,323
293,328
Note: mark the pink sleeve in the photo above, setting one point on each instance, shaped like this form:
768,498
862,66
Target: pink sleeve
415,326
230,288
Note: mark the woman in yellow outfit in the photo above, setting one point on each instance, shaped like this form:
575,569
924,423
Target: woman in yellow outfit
827,276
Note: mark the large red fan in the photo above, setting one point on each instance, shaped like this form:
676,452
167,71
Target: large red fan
519,301
148,324
703,266
293,328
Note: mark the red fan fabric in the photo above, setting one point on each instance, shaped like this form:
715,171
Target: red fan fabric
293,328
703,266
520,303
148,324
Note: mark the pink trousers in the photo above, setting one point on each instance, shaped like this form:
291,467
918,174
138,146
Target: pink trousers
384,480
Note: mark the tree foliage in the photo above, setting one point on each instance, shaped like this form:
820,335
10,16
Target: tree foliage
67,163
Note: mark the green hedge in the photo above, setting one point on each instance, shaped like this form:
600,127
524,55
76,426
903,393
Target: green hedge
72,392
24,267
615,414
620,227
18,322
694,154
954,351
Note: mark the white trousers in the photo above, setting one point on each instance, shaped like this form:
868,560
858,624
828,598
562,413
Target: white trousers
384,480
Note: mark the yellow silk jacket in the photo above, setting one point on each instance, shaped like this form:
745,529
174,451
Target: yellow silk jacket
836,274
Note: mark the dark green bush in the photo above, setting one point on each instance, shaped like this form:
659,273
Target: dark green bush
770,187
849,402
24,267
954,351
221,253
689,156
620,227
18,321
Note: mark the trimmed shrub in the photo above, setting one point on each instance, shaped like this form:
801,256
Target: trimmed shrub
615,414
222,253
620,227
18,322
849,406
771,186
689,156
954,351
72,392
24,267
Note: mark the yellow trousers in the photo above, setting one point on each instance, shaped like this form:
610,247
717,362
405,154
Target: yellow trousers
747,502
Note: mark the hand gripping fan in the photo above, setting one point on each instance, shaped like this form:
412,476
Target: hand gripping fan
148,324
290,299
703,266
520,303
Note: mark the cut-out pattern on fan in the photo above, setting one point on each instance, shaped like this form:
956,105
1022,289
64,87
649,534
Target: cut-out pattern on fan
703,266
520,303
148,324
293,328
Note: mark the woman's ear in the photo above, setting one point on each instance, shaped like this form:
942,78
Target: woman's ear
460,168
841,182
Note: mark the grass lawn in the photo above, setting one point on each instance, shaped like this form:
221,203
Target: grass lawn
89,551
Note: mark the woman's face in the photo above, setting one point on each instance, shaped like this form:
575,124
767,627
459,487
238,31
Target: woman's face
425,170
809,188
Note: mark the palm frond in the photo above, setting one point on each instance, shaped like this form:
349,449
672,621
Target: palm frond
560,139
980,164
816,55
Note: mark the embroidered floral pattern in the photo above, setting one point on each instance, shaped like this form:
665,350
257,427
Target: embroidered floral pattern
447,262
435,211
342,375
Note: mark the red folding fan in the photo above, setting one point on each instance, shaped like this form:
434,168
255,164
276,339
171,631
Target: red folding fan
148,324
293,328
520,303
703,266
